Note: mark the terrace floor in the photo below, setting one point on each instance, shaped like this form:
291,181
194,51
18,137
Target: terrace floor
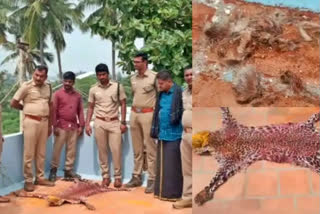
133,202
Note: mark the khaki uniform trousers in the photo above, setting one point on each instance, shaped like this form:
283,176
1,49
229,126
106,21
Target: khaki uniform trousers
35,136
108,134
140,126
186,160
68,137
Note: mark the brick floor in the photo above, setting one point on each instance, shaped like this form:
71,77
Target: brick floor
265,187
315,181
132,202
294,182
255,187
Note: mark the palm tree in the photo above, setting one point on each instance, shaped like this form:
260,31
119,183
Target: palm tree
44,18
26,58
5,7
104,11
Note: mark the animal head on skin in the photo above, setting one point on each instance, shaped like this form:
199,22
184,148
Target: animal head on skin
54,200
207,138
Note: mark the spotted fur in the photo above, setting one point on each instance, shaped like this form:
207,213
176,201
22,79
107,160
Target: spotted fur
236,147
74,194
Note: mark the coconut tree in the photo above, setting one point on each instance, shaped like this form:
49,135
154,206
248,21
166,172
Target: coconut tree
103,10
26,58
5,7
44,18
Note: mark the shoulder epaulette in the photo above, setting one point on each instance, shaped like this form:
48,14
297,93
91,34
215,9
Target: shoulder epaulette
153,72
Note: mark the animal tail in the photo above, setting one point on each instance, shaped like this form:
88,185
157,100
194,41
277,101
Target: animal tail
313,119
227,118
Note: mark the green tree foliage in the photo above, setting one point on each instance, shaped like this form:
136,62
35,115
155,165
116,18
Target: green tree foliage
5,7
125,81
43,18
10,118
31,56
85,84
102,9
164,25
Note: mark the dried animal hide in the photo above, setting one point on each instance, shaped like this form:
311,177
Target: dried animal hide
75,194
236,147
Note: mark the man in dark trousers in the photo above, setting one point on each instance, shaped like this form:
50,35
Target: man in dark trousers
167,128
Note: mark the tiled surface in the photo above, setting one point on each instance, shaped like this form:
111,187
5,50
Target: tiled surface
133,202
265,188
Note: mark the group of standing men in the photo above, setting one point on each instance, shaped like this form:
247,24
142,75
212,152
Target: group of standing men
160,124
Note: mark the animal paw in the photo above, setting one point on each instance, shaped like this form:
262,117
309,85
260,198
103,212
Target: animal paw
203,196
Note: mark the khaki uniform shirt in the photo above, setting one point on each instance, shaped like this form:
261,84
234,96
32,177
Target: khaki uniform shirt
187,106
143,88
35,98
105,99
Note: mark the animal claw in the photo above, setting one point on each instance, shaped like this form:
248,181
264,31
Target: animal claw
203,196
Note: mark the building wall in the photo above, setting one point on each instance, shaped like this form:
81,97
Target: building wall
86,164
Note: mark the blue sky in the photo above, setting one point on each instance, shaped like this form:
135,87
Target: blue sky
83,52
313,5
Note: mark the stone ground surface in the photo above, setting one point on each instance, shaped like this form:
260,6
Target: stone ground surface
209,90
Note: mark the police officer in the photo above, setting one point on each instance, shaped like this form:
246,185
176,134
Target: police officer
36,95
104,100
144,97
186,143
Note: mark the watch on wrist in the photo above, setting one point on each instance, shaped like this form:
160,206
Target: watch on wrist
123,122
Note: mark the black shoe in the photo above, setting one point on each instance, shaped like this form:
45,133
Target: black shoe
53,174
69,175
44,182
150,187
28,187
134,182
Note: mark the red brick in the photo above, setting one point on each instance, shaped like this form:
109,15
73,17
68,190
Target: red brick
256,166
244,206
199,181
264,183
315,181
308,204
206,119
197,163
210,207
294,182
232,189
210,164
278,204
204,164
228,207
271,165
